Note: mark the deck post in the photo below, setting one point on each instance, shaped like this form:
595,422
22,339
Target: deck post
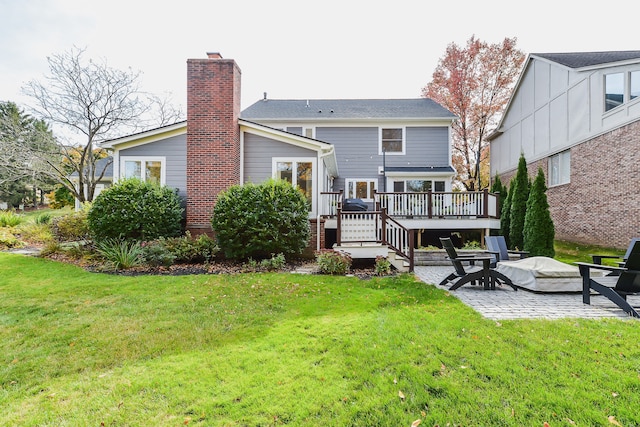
430,204
485,203
339,226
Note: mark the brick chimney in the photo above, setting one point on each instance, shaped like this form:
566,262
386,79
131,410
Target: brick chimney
213,135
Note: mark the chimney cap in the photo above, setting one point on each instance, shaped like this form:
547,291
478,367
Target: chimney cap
214,55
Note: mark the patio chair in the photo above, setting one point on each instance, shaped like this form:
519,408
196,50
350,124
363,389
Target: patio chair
473,273
616,288
497,247
597,258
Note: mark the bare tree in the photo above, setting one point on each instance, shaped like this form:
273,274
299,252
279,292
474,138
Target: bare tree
90,103
475,83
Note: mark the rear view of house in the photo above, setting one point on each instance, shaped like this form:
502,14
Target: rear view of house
391,154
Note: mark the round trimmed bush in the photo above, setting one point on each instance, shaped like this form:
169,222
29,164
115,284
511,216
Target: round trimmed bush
259,220
135,210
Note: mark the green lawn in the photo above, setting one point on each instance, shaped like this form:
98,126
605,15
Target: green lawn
80,348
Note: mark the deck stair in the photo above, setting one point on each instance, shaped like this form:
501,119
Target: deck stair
373,233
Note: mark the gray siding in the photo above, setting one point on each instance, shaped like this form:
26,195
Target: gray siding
357,150
174,149
258,152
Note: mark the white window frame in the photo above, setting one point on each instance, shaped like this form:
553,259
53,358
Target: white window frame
432,180
563,175
161,159
314,175
404,141
355,181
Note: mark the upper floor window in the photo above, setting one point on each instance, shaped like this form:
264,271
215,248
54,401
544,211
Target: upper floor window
613,90
620,88
560,168
634,85
361,189
391,141
148,169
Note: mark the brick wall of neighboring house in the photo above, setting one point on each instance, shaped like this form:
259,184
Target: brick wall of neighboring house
313,242
213,135
601,203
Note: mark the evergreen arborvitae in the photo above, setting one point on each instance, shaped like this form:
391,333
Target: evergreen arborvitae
538,225
505,215
518,205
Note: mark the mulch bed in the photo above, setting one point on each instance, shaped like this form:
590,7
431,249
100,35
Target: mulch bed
360,268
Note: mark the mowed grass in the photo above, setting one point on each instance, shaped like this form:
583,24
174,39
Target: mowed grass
86,349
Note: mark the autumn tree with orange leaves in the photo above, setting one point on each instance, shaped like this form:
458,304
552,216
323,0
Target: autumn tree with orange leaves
475,83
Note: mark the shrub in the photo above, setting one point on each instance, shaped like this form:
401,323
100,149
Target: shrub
60,197
382,266
257,220
276,262
472,244
8,240
35,232
539,232
70,227
121,253
135,210
43,218
185,249
333,262
10,219
518,208
156,254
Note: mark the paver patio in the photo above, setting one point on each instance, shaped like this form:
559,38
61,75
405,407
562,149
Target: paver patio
505,303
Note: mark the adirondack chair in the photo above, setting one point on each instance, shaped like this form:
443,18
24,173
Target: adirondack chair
597,258
497,247
473,274
616,288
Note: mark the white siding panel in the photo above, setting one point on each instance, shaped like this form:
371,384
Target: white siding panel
558,118
578,110
527,94
559,80
542,77
515,145
528,141
542,130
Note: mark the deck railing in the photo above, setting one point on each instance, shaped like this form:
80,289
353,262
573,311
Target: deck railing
431,204
375,227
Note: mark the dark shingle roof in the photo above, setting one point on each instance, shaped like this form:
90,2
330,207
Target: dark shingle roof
314,109
589,59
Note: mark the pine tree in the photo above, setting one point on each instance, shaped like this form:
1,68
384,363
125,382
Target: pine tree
518,205
539,232
505,214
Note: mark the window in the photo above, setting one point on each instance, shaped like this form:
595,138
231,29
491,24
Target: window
300,173
620,88
613,90
391,141
560,168
634,85
149,169
418,186
361,188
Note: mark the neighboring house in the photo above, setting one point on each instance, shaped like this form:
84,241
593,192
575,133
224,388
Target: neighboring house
389,153
577,115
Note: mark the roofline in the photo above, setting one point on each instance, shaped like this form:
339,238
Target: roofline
588,67
148,136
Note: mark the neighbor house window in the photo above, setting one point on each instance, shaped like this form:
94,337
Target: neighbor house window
149,169
634,84
613,90
391,141
560,168
361,189
300,173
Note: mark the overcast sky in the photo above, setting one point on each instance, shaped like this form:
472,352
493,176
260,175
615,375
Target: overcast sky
294,49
